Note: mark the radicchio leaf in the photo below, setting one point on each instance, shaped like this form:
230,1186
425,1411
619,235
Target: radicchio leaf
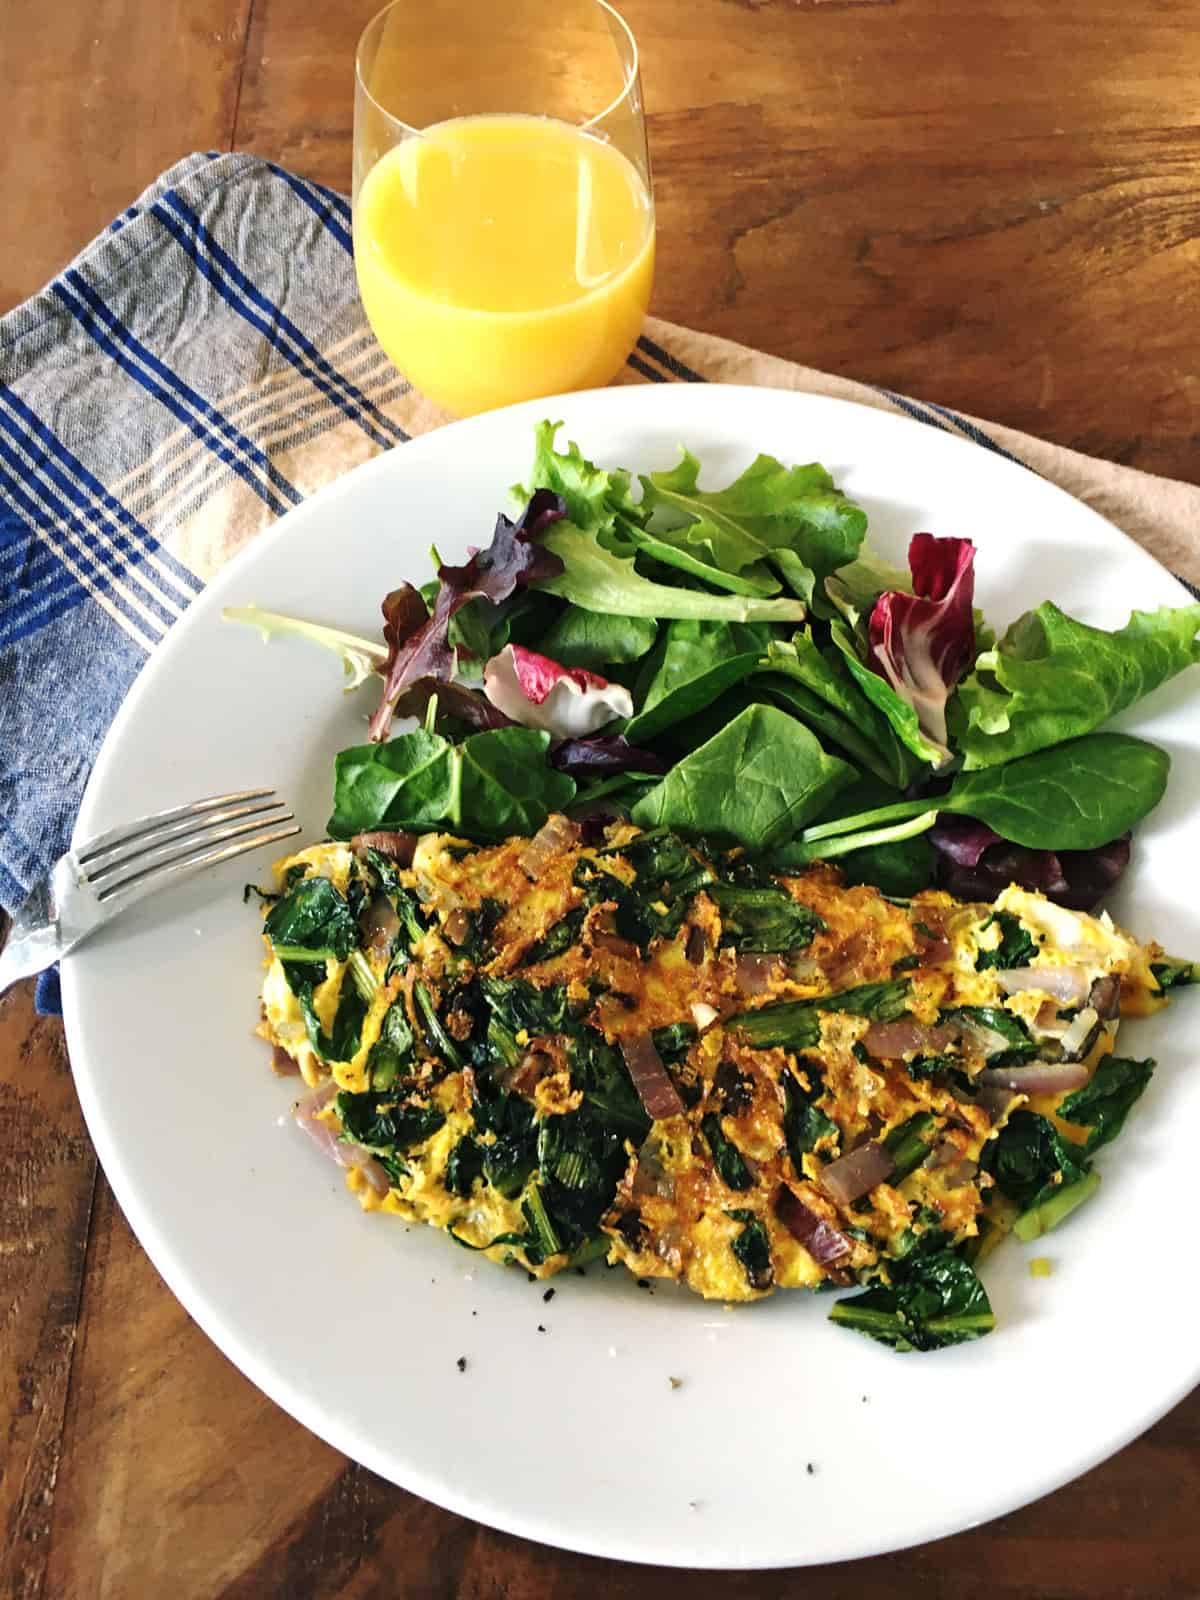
566,702
454,700
601,755
923,643
420,649
974,863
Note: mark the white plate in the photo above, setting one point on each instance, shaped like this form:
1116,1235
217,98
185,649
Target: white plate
353,1324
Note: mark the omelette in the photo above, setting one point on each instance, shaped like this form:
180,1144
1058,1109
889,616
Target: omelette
614,1043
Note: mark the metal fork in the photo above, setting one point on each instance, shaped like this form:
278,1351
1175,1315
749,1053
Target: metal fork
94,883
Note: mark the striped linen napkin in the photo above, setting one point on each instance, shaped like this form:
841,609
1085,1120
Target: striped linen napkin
202,367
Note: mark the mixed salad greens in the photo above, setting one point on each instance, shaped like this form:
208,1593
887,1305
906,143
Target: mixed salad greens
738,665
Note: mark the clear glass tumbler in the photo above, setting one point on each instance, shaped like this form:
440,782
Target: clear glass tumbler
503,206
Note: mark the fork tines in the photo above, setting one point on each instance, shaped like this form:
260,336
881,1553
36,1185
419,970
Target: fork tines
131,861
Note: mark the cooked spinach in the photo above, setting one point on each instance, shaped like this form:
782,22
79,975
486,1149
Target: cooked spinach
437,1039
1174,974
558,939
933,1300
766,921
464,1166
752,1247
312,921
599,1070
1106,1099
1018,1046
803,1125
1017,948
727,1158
796,1024
522,1006
908,1145
393,1055
341,1043
385,1123
1040,1171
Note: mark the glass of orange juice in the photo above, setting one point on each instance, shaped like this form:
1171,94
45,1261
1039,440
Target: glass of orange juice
503,208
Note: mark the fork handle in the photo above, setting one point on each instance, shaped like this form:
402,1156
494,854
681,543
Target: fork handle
33,942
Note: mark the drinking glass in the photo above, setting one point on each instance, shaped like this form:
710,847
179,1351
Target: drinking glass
503,207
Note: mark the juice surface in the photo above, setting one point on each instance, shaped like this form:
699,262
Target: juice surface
504,257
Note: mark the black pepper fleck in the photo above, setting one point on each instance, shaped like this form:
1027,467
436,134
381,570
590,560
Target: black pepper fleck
541,1327
643,1283
548,1296
810,1469
461,1363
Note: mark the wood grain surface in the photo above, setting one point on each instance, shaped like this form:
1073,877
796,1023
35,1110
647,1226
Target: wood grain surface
993,203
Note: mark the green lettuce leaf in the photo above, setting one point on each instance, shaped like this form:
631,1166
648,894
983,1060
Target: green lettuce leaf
598,580
795,517
1052,678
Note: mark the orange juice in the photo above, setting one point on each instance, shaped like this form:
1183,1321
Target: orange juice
504,257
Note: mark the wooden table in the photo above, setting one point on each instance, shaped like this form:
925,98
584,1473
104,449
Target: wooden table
994,203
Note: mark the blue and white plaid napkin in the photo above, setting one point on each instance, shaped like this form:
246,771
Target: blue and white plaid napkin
202,367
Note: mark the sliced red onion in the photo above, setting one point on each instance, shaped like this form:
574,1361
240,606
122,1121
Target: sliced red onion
379,923
824,1243
944,1154
994,1101
1037,1077
286,1066
650,1176
1068,984
704,1015
556,834
345,1152
616,946
851,1176
697,945
753,973
962,1174
655,1090
457,926
1105,996
398,847
891,1040
1081,1035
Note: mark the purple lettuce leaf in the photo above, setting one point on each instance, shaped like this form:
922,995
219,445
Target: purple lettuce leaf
974,863
421,649
602,754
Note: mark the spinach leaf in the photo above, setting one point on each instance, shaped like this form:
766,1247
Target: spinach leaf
752,1248
803,1125
519,1005
1052,678
908,1145
464,1166
1033,1163
1105,1100
599,1070
1172,973
727,1158
757,782
796,1024
1018,1044
769,512
934,1300
1017,948
312,921
590,639
694,664
383,1123
599,580
902,716
489,786
393,1055
901,868
766,921
851,718
1076,796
